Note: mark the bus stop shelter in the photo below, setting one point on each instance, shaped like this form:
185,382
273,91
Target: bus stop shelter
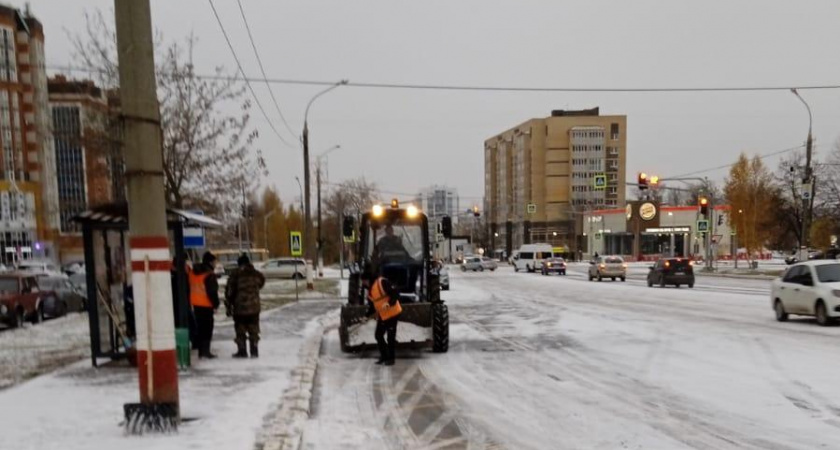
108,278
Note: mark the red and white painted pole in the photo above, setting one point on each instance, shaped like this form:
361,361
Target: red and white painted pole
158,409
156,355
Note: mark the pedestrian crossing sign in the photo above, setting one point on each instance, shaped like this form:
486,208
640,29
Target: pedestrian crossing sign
296,243
702,226
599,182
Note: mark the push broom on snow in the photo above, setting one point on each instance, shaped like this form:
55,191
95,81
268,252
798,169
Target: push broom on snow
151,416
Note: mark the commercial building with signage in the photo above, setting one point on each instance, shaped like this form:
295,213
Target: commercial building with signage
646,230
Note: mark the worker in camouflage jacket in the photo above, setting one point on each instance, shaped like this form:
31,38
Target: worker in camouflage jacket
242,301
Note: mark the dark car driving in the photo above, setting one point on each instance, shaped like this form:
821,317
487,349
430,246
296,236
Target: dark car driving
554,265
674,271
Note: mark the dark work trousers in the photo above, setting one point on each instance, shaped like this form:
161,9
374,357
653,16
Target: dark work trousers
387,351
247,329
204,328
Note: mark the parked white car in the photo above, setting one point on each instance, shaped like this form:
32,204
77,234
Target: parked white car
531,256
284,268
809,288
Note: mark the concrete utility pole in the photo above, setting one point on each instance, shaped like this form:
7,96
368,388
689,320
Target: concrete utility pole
150,257
807,186
308,242
320,225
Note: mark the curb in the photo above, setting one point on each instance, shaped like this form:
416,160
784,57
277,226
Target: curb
283,428
740,277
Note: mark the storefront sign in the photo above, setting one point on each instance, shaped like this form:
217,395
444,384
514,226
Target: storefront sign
647,211
669,230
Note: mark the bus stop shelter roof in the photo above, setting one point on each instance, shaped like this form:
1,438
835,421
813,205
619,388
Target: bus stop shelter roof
116,214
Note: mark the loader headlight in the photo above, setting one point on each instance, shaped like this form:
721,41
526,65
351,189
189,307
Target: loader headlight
377,210
411,211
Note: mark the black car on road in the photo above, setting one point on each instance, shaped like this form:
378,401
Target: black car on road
674,271
554,265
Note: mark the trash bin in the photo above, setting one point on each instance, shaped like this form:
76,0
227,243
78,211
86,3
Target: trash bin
182,347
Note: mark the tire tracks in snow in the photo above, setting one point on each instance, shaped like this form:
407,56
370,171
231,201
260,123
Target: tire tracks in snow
673,415
798,393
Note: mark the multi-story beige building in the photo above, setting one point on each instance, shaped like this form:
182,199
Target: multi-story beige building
540,177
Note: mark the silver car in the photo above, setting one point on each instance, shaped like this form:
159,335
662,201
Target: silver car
443,271
478,264
284,268
611,267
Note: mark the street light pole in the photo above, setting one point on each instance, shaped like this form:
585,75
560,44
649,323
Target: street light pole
301,193
320,240
807,186
307,226
265,230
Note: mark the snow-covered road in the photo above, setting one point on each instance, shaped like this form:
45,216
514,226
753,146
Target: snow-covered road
559,362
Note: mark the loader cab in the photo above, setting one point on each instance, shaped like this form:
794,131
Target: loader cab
395,244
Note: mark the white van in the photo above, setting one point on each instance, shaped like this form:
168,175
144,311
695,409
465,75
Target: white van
531,256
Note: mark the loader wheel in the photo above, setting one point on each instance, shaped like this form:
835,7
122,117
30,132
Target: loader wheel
353,291
440,328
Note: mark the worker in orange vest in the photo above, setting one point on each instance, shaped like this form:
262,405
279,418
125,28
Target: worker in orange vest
204,298
384,302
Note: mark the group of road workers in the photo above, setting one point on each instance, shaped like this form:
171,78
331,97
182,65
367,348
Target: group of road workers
242,302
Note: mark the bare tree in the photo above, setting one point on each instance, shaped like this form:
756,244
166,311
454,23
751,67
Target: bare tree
209,154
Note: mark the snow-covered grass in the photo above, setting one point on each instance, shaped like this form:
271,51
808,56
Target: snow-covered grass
37,349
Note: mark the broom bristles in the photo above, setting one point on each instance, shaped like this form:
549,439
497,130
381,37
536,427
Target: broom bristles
142,418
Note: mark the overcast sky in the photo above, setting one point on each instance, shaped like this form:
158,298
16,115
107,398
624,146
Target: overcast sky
406,139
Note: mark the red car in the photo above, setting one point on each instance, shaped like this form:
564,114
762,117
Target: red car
22,300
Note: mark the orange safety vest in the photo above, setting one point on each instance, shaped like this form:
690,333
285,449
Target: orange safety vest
198,290
381,301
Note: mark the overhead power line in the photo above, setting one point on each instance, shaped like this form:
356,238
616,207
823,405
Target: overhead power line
262,69
726,166
244,76
443,87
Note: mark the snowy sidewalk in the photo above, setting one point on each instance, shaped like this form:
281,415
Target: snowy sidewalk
225,401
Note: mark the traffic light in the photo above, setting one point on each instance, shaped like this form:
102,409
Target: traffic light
720,220
704,206
643,181
348,226
446,227
475,211
654,181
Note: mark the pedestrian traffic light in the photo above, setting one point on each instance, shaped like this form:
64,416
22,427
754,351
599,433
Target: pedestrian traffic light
704,206
720,220
446,226
643,181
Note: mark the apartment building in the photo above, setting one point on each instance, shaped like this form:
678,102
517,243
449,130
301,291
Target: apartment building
543,174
